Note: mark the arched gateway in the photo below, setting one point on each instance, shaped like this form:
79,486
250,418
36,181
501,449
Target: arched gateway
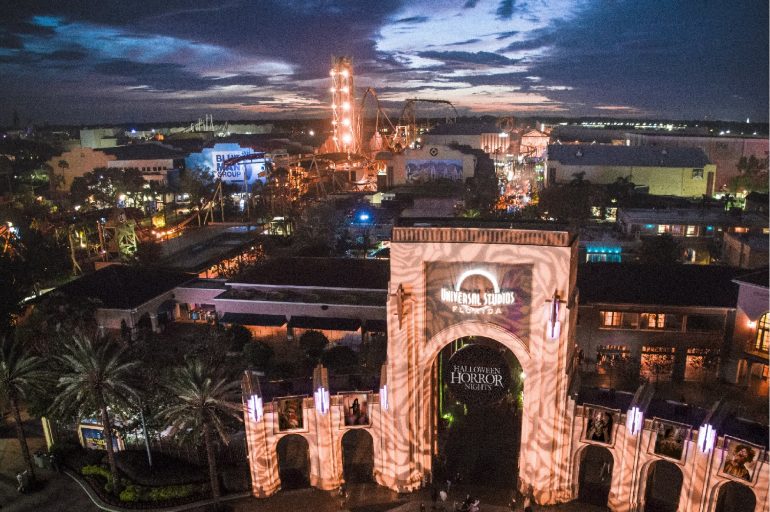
513,286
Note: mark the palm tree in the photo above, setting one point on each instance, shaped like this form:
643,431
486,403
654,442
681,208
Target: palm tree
95,374
203,399
19,373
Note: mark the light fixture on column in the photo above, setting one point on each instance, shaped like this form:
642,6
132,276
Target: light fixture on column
321,386
552,310
384,403
634,420
706,437
252,395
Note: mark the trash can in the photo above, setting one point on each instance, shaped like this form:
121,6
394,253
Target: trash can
41,459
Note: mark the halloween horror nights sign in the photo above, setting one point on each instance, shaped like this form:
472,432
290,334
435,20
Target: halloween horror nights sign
477,375
489,292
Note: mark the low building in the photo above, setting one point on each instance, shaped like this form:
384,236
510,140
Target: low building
699,231
485,136
75,164
127,294
657,323
751,338
534,144
682,172
724,151
745,250
155,161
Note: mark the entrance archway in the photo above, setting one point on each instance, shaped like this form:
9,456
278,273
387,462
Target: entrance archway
735,497
595,476
293,462
357,456
476,441
664,485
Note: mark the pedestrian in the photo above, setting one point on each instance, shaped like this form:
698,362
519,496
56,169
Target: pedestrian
20,480
55,462
434,497
422,507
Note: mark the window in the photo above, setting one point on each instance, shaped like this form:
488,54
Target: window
740,229
677,230
692,231
763,327
705,323
697,174
657,363
701,364
611,318
663,228
653,321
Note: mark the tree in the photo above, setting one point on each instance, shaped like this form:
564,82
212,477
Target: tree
313,343
94,375
203,399
258,354
339,359
20,372
659,250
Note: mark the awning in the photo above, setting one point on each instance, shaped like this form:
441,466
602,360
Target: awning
328,324
376,326
250,319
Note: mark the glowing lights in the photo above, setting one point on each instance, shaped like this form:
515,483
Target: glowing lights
347,138
634,420
321,396
752,324
254,405
706,438
384,404
346,122
346,106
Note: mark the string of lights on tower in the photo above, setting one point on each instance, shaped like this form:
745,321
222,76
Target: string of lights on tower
343,114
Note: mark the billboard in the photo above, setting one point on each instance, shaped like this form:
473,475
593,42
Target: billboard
741,459
670,439
491,292
421,171
213,159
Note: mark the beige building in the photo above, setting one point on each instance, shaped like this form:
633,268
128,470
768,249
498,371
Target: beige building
745,250
682,172
74,164
723,152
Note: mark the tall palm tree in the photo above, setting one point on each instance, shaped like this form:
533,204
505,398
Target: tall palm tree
203,399
95,374
20,372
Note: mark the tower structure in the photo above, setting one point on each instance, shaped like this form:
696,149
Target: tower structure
343,108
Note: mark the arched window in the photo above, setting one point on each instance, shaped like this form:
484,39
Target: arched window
763,328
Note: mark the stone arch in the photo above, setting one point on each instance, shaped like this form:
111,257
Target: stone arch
357,456
294,466
463,330
594,470
734,497
662,487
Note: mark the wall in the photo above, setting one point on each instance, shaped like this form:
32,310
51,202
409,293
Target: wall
431,153
79,162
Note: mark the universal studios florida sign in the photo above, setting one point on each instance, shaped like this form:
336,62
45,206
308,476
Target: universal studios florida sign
477,292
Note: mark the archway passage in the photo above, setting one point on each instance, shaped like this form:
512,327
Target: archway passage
664,485
595,477
357,456
293,462
735,497
477,441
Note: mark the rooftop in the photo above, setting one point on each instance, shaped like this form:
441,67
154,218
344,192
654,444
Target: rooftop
307,296
464,129
370,274
627,156
144,152
756,241
691,215
758,278
665,285
122,286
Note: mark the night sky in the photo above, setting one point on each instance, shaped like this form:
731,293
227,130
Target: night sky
84,61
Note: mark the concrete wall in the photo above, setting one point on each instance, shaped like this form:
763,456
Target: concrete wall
79,162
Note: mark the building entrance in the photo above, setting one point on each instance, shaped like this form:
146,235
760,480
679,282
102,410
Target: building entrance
595,476
735,497
465,373
357,456
293,462
664,485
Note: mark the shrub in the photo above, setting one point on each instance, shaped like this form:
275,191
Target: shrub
239,337
130,493
96,471
134,493
340,358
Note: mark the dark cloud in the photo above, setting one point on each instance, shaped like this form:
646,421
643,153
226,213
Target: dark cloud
159,77
470,4
463,43
67,55
505,9
479,58
11,42
506,35
413,20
